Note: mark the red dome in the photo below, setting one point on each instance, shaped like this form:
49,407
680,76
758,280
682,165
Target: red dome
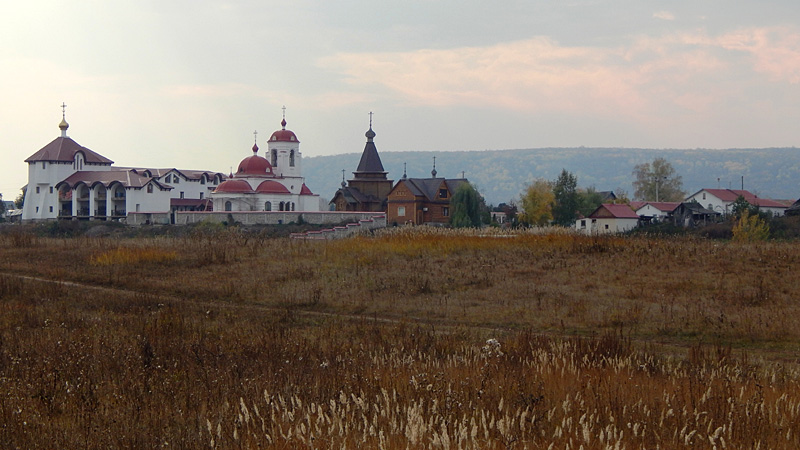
271,187
283,135
234,187
254,165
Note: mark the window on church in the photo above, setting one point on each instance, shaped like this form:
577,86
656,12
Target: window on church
442,193
37,189
44,165
51,189
401,211
446,211
274,158
291,158
268,206
182,194
228,206
149,188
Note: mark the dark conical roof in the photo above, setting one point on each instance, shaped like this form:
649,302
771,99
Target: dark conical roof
370,160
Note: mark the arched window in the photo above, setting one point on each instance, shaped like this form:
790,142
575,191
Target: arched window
292,206
150,188
77,163
274,158
291,158
280,207
268,206
228,206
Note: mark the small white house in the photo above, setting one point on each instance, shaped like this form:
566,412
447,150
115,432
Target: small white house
721,201
654,211
608,218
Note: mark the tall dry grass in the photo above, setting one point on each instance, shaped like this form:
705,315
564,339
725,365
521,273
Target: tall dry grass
530,340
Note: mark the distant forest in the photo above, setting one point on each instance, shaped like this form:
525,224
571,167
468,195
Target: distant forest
500,175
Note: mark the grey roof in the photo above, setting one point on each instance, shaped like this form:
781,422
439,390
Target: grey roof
696,208
429,187
353,195
370,161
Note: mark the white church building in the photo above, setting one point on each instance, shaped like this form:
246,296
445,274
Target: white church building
274,184
69,181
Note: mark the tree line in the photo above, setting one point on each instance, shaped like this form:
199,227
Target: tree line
562,202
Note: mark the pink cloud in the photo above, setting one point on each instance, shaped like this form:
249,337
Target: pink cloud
776,51
684,71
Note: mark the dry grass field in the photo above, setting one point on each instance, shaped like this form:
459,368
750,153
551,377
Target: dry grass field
414,338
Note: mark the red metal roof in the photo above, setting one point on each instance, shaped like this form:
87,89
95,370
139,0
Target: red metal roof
234,187
305,190
616,211
127,178
730,195
271,187
254,165
63,149
636,205
661,206
283,135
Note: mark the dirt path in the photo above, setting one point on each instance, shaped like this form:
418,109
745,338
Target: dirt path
254,306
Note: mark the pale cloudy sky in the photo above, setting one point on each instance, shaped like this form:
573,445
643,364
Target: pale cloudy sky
181,83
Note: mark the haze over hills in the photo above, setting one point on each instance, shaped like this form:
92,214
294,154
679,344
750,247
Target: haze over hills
501,175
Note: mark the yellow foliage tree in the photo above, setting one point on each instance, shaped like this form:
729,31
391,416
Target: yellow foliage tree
750,228
537,203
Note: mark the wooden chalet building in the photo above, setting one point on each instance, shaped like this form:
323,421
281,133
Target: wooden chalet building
419,201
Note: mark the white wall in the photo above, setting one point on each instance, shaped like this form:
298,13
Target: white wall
603,226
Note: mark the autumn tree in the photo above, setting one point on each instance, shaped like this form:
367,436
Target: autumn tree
657,181
750,228
565,204
537,203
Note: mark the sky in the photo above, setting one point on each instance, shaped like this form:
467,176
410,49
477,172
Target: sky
185,84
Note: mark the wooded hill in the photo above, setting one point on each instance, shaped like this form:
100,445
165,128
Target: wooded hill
500,175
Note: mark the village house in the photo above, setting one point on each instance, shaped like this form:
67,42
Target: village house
693,214
608,218
652,212
721,201
422,201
